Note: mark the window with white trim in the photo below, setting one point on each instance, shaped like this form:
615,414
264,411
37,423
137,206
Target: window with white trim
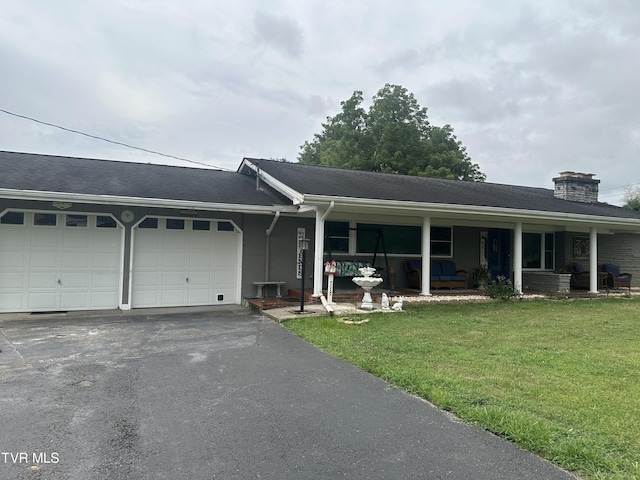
398,239
538,251
336,237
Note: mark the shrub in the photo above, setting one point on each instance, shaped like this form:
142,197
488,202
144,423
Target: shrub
501,287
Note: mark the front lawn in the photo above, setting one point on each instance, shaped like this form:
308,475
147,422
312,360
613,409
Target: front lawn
559,378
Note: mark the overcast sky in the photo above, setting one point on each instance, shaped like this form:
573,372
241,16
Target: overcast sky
532,88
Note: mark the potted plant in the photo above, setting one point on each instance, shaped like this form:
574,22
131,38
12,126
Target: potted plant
482,275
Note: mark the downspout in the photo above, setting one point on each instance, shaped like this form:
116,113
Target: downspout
319,250
325,214
267,256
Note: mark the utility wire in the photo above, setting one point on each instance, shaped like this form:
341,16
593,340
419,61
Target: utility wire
106,139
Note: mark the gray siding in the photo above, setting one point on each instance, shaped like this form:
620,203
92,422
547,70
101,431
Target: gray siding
619,250
282,252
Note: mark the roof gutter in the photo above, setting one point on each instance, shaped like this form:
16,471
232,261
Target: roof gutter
421,208
142,202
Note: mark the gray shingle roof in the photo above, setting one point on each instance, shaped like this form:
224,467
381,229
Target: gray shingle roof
314,180
47,173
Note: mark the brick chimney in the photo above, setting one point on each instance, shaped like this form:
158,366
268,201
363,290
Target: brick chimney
577,187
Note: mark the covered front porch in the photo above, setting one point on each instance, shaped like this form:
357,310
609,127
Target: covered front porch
533,250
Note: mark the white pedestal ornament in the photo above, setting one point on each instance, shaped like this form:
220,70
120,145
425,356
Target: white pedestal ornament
367,282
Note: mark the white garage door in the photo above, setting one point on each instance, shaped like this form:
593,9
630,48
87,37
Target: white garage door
58,262
183,262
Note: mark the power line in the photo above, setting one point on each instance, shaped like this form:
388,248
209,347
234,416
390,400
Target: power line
621,186
106,139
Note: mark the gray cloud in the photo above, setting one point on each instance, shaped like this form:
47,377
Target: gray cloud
280,33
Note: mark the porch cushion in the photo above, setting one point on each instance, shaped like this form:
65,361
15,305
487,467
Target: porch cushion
614,270
452,278
436,270
448,269
414,265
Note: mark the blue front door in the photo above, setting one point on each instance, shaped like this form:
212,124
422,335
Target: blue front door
499,252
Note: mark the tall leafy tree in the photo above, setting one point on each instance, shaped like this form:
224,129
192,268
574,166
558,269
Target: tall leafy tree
632,198
393,136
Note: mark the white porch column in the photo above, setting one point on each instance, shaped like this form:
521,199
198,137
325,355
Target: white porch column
318,253
517,257
593,260
426,256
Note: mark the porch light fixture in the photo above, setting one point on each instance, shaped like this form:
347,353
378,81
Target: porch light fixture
303,244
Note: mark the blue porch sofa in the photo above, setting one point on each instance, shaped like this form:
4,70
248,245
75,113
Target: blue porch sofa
444,274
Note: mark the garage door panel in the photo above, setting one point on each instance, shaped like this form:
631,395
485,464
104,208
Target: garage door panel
14,237
75,260
174,279
104,280
47,237
142,280
148,238
147,298
199,296
43,280
200,278
103,299
172,297
77,237
74,300
106,239
13,259
13,301
146,260
224,263
43,301
75,280
200,260
171,260
201,240
106,260
44,259
13,280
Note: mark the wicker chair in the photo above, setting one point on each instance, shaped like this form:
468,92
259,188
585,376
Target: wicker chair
579,276
615,279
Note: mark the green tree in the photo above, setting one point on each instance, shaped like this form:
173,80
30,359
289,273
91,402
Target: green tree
393,136
632,197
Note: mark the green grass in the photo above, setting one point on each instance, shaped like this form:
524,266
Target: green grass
558,378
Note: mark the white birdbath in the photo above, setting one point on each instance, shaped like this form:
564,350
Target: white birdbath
367,282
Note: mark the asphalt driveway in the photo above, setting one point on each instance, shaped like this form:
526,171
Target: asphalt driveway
217,394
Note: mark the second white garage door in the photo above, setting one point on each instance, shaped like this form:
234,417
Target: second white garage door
184,262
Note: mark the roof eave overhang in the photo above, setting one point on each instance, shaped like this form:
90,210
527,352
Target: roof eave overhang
474,211
141,202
